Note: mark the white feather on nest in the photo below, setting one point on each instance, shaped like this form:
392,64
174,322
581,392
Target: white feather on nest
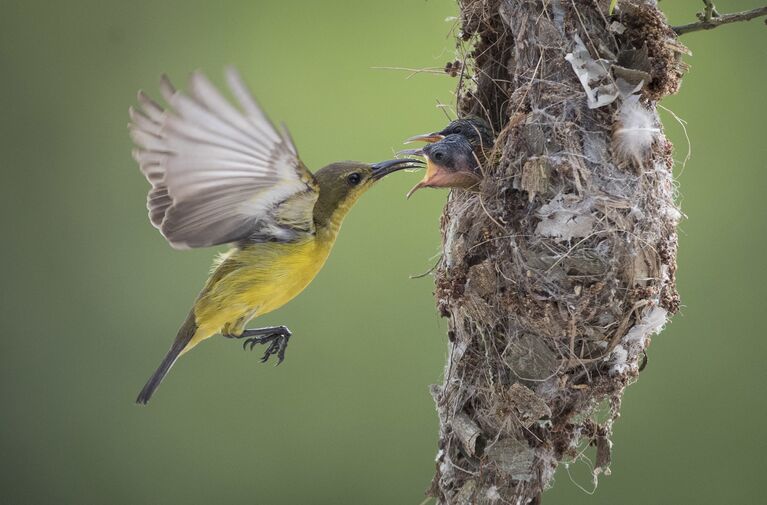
635,130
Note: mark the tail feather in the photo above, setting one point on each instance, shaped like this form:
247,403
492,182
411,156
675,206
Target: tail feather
184,336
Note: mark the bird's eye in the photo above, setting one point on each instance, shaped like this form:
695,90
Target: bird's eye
354,179
438,156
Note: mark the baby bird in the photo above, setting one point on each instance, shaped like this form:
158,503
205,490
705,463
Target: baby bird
454,154
450,163
475,129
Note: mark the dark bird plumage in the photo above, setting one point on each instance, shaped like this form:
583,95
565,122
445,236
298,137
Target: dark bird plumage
454,154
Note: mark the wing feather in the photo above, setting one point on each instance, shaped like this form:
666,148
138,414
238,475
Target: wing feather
253,111
219,174
158,202
151,108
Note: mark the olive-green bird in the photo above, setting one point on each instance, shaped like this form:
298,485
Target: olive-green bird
223,175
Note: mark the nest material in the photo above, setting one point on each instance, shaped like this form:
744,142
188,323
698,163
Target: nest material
556,274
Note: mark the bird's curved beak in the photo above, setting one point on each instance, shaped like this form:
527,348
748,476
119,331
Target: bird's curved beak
425,137
387,167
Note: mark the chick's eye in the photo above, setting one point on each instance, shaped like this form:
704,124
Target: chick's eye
438,156
354,179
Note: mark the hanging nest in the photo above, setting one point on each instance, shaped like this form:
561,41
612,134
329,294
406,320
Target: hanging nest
558,271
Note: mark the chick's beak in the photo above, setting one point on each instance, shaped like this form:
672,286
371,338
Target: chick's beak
387,167
434,174
425,137
438,176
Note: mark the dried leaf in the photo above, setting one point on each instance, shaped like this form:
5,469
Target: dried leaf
512,457
528,406
468,433
565,217
529,358
590,72
535,177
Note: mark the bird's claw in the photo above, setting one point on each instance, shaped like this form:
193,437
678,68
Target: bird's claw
278,343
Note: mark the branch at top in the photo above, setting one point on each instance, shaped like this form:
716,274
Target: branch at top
711,19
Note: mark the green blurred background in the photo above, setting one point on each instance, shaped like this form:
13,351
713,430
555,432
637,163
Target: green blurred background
92,295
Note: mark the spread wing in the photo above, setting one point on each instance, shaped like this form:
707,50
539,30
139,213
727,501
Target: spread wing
219,174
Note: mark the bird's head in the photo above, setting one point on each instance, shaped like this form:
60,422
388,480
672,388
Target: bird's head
474,129
342,183
450,163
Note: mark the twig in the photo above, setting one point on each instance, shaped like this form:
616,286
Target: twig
709,12
683,124
420,276
414,71
711,20
444,107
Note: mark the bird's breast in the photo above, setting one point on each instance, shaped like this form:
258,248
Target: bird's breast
260,278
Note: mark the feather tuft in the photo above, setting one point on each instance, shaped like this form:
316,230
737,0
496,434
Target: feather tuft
634,131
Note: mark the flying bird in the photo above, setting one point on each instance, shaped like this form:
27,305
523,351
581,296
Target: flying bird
225,175
454,154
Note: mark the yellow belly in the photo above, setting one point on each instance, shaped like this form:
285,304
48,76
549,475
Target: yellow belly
253,281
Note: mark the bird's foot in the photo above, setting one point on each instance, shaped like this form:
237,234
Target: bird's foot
278,342
277,337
